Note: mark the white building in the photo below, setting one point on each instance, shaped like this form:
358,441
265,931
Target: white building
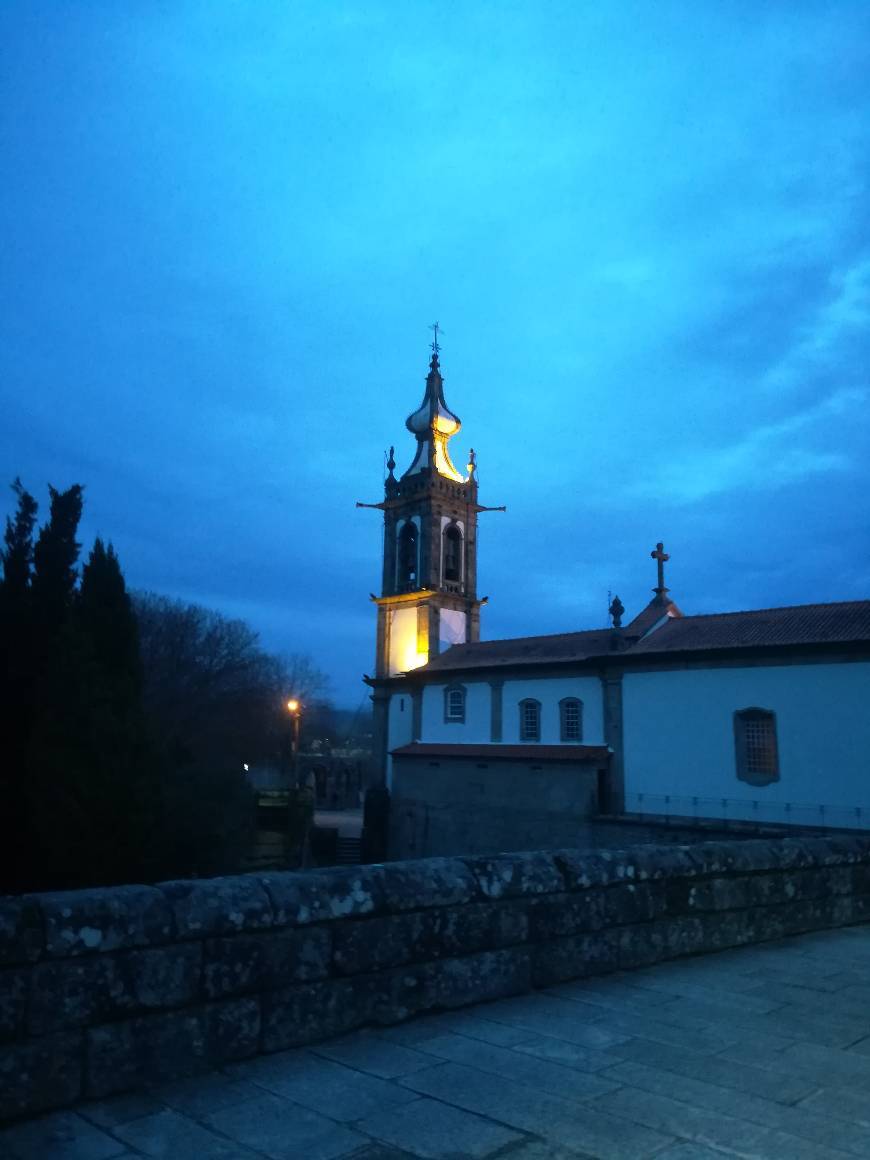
759,715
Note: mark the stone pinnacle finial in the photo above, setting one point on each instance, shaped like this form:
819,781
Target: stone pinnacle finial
616,610
391,462
472,463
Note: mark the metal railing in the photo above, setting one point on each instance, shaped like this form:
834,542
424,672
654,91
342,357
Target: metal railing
682,807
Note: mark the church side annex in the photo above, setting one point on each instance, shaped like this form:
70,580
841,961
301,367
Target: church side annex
760,716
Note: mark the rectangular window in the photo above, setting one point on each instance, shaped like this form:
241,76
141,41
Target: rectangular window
756,748
571,713
530,721
454,705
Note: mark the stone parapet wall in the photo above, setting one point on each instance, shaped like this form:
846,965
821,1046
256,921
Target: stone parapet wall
106,990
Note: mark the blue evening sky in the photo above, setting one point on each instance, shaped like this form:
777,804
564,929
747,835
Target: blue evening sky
644,228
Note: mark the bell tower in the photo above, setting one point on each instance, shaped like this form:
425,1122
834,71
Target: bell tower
428,597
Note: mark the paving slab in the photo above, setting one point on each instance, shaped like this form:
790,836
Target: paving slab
569,1125
61,1136
671,1062
540,1074
742,1137
172,1136
204,1094
321,1085
438,1131
803,1121
282,1130
369,1052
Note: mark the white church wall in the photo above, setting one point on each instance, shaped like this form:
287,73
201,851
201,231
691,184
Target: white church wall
475,730
550,691
400,726
679,740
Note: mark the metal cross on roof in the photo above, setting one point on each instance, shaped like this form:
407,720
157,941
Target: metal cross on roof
660,556
435,327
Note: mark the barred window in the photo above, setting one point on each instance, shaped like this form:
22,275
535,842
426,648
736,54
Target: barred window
454,704
530,720
571,719
755,746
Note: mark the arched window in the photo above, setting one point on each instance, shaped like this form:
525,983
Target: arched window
571,719
407,571
530,720
454,705
452,553
755,746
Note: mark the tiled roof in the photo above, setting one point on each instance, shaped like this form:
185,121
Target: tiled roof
564,646
803,624
506,752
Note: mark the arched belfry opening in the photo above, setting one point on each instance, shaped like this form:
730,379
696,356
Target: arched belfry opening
452,554
408,557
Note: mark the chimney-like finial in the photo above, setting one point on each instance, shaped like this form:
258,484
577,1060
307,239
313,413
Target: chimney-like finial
391,462
472,463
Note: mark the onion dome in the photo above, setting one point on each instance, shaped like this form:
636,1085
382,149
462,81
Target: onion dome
433,423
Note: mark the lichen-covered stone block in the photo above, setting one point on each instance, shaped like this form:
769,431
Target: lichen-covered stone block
255,962
128,1054
560,915
428,882
575,957
581,870
295,1016
76,992
40,1074
516,875
650,863
475,978
379,943
641,946
209,906
302,898
14,996
634,902
232,1029
22,939
683,936
78,922
706,894
162,976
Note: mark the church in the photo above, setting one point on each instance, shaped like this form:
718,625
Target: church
755,716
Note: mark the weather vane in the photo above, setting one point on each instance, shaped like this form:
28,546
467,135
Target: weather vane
435,328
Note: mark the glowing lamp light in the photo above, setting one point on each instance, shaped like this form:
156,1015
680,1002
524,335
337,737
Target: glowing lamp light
293,705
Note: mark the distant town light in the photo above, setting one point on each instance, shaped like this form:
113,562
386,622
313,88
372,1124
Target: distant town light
245,766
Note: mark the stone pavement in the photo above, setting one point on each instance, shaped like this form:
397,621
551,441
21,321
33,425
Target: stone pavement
761,1052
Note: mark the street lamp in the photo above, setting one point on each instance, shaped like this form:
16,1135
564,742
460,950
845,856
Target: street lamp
294,708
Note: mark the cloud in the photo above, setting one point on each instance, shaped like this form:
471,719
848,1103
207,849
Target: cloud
842,318
767,457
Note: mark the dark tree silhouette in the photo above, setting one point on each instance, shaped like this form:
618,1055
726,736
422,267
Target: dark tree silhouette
16,686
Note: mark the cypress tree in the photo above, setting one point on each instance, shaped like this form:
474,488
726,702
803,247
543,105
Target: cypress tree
17,674
54,561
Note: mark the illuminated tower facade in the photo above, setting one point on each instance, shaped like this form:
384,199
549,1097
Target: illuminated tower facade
428,595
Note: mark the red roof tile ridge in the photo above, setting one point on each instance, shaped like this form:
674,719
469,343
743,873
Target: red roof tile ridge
777,608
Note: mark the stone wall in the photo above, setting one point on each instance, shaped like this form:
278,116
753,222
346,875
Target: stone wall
105,990
447,806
